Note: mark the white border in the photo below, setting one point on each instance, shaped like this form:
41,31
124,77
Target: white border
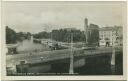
64,0
106,77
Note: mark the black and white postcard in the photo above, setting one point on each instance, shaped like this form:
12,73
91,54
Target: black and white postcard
63,39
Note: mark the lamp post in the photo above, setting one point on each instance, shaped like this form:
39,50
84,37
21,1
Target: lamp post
113,57
71,70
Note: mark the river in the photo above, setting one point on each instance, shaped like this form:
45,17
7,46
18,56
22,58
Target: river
29,46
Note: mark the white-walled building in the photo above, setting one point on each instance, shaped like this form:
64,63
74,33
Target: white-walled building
110,36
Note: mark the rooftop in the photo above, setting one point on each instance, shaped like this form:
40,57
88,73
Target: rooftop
110,28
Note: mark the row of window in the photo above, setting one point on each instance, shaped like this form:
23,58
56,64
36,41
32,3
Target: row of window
109,33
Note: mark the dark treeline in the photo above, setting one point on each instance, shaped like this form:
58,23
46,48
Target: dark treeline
62,35
12,37
42,35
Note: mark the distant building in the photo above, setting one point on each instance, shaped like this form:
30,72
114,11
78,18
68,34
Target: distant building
93,34
111,36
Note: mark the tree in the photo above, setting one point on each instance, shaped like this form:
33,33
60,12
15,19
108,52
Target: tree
41,35
63,35
10,36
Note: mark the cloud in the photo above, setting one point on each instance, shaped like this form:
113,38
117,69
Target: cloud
33,17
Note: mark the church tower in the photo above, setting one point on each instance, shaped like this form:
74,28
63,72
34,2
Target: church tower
86,29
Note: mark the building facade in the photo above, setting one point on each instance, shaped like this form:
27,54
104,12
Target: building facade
93,34
111,36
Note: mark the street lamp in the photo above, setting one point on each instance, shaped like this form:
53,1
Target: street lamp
113,58
71,70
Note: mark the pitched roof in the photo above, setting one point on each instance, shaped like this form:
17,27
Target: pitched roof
110,28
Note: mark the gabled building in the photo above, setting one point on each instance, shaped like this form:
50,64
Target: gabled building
111,36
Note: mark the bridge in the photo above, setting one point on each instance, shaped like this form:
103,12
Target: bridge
51,59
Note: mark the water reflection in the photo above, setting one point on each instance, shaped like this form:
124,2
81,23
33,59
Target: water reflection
29,46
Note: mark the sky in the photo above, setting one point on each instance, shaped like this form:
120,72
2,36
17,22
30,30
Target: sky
45,16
